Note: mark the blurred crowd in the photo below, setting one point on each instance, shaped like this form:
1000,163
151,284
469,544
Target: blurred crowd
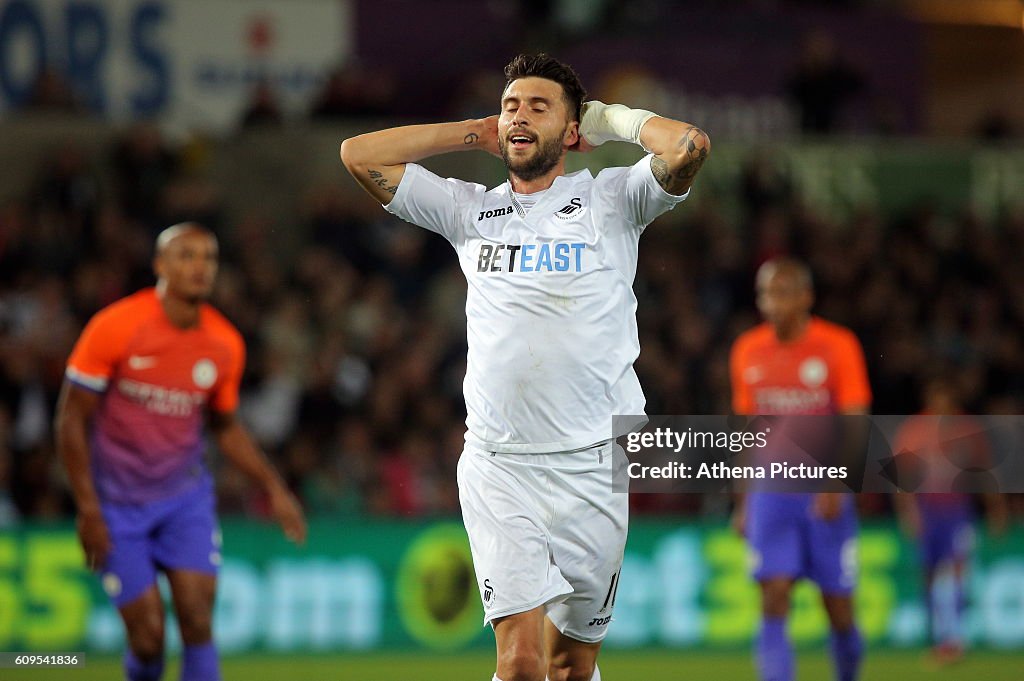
356,342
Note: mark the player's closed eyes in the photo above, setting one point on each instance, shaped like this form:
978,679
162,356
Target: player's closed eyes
513,106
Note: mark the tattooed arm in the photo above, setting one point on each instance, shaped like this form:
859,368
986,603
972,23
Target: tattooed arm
377,159
679,149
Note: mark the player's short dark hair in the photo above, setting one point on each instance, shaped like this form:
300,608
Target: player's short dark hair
545,66
797,269
165,237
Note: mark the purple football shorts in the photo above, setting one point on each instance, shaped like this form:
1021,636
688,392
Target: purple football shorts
788,540
178,533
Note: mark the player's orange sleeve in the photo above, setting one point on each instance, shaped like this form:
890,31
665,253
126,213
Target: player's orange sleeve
742,397
852,389
225,394
99,348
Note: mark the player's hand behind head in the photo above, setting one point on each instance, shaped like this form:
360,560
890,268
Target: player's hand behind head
288,512
95,539
489,138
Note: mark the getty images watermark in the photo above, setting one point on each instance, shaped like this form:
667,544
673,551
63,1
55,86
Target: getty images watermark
909,453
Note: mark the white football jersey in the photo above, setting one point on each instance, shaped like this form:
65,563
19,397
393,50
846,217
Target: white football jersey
550,311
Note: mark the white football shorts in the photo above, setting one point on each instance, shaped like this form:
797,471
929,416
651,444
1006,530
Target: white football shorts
546,530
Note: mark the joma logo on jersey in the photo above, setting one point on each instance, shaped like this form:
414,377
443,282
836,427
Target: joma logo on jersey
496,213
572,210
559,256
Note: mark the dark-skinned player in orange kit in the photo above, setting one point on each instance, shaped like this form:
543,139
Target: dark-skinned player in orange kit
798,364
145,378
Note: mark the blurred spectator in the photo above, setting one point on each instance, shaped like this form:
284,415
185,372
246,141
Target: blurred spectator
51,92
634,83
271,408
333,225
38,492
321,479
765,186
143,165
351,92
16,242
263,109
191,198
475,96
8,511
995,126
822,84
66,201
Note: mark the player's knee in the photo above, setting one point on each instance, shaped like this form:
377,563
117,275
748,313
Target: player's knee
521,664
576,670
196,626
775,598
775,607
840,613
842,624
146,638
148,650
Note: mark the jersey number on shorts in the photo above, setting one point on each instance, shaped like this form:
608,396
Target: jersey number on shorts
613,589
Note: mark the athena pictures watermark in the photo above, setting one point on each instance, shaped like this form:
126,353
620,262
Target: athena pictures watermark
909,453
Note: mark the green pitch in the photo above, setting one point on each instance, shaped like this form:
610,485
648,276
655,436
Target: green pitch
615,666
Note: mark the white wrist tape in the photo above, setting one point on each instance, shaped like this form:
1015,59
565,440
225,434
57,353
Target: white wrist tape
602,122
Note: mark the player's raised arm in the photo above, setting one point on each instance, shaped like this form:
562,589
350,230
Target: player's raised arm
71,426
236,444
679,149
377,159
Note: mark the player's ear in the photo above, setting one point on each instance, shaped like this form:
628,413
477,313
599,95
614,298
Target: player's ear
158,267
572,135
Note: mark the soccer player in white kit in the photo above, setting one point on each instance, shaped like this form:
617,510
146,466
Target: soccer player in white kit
550,260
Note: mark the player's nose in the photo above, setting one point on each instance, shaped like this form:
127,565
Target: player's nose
521,115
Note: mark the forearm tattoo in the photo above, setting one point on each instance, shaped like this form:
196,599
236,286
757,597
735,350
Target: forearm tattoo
694,147
378,179
471,138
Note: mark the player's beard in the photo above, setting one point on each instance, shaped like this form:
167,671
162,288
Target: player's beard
547,157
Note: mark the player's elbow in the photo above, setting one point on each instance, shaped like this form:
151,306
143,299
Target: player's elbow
706,138
686,159
695,145
346,153
353,154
